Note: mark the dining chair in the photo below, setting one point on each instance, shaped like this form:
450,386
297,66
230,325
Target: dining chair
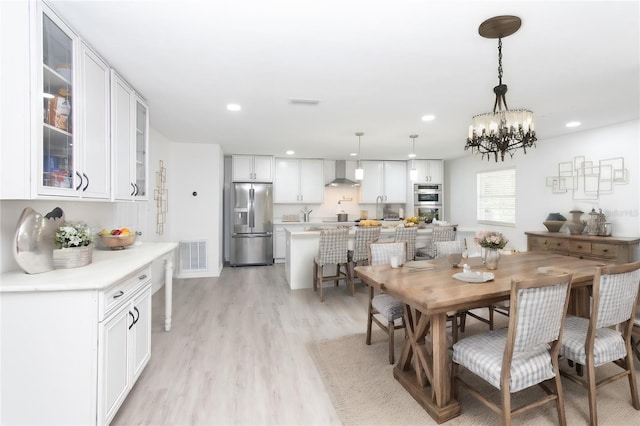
408,235
383,304
332,250
363,236
606,336
440,233
635,332
524,354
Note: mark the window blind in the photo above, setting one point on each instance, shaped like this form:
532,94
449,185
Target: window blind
497,197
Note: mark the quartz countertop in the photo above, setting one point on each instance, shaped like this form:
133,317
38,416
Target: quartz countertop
107,267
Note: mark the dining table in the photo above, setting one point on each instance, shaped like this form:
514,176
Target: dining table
429,292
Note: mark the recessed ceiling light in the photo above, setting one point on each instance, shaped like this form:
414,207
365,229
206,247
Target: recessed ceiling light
412,155
353,154
234,107
428,117
290,152
573,124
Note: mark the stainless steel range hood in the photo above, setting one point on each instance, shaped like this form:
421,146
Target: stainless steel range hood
341,172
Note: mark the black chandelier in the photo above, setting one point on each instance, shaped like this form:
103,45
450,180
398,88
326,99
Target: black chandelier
503,130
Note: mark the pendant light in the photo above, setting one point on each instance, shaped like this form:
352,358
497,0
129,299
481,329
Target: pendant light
502,131
413,173
359,170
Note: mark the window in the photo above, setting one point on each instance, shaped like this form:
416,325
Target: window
497,197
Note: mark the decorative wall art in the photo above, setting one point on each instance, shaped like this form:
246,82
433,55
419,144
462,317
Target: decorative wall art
161,196
588,179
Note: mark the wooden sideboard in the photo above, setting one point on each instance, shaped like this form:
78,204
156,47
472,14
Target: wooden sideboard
611,249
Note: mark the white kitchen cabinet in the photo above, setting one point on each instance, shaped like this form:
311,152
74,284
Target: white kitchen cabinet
298,181
252,168
94,151
125,342
72,131
429,171
129,139
384,182
74,353
15,102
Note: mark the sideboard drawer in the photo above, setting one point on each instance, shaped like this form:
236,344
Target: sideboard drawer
554,244
604,250
583,247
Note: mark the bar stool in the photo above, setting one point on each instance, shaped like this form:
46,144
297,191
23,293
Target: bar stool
408,235
332,250
364,236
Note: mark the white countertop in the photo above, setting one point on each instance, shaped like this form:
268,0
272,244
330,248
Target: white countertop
108,266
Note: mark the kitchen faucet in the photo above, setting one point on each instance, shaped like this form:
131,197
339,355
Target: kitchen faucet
380,199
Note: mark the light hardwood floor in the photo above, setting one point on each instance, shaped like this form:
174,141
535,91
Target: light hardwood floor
237,352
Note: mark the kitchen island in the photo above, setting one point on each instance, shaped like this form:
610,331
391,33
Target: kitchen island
74,341
302,246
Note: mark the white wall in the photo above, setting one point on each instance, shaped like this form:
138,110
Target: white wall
197,168
534,201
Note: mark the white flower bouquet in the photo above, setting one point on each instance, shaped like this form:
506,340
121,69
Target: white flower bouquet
73,235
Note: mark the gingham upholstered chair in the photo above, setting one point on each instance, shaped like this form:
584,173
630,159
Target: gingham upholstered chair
332,250
383,304
440,233
606,336
364,235
524,354
408,235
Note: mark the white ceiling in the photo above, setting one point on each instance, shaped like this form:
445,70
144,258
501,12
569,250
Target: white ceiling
375,66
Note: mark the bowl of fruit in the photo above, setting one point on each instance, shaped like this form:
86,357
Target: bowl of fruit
411,221
117,239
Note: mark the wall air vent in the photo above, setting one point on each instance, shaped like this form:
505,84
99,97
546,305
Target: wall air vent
193,256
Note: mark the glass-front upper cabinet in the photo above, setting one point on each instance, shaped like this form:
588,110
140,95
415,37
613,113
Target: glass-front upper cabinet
142,142
57,159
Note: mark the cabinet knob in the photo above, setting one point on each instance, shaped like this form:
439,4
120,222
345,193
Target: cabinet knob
142,277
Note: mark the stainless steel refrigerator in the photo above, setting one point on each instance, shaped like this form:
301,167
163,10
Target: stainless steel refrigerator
251,224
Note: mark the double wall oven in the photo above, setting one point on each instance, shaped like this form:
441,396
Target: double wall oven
427,201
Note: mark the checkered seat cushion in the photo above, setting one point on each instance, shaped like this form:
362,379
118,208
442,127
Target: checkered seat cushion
616,296
389,307
538,322
608,346
482,354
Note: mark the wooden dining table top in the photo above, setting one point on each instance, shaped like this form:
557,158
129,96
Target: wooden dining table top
434,290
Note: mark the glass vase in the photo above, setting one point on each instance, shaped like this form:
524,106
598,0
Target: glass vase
491,258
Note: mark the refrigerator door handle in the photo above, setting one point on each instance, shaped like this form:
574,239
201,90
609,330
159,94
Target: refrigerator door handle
252,216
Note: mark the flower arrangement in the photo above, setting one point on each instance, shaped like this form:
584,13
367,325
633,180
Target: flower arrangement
73,235
492,240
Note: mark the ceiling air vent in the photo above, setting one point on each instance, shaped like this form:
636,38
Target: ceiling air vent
297,101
